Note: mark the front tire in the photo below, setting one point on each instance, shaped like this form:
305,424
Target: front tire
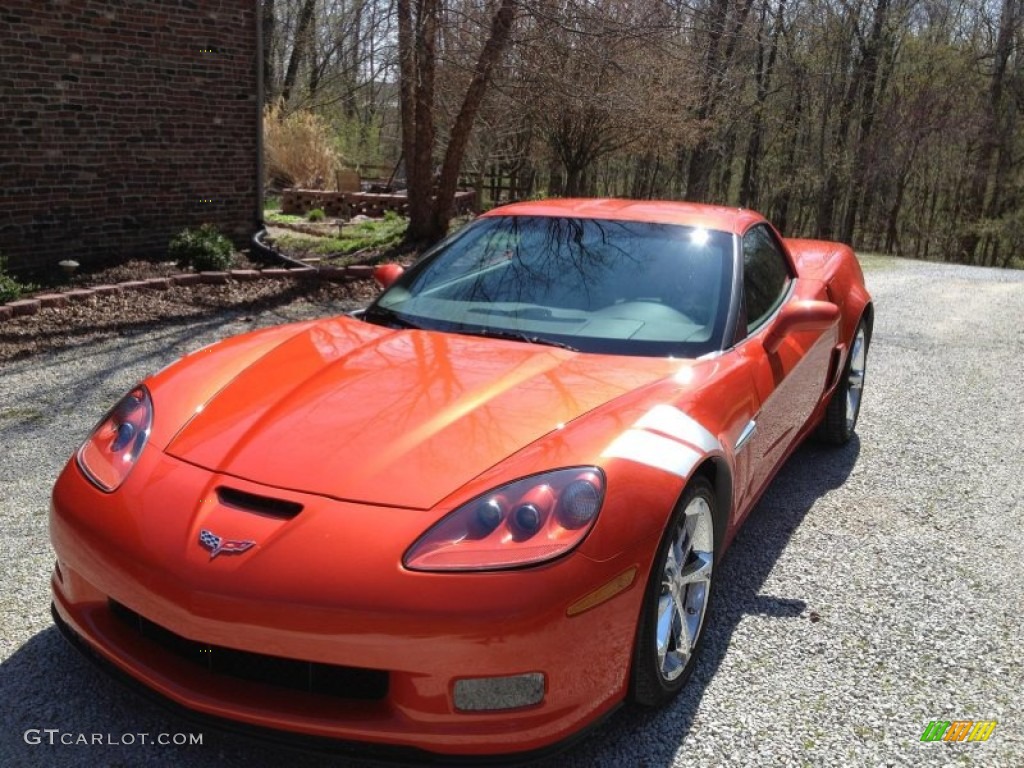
676,600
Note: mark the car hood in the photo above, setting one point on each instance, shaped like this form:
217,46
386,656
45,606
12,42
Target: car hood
395,418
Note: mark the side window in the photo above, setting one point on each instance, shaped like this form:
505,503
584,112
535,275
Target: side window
765,275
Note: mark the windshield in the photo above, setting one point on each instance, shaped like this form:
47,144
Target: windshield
618,287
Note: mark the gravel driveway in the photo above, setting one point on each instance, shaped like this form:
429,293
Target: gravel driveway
875,588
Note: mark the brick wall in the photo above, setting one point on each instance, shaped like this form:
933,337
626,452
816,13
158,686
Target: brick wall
122,121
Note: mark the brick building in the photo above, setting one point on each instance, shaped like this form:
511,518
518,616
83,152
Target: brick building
122,121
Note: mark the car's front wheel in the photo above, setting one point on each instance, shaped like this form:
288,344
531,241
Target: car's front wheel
676,599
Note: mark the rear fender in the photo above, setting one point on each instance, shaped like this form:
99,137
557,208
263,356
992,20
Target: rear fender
835,265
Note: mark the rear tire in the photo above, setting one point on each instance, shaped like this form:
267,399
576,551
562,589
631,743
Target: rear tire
676,600
840,421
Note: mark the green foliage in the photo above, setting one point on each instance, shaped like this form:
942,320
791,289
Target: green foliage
359,236
359,140
10,288
203,249
276,217
375,233
317,214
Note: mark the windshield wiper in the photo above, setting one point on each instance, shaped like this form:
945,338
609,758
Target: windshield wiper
494,333
388,317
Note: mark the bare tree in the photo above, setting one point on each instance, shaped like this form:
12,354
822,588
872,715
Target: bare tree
300,47
431,204
891,124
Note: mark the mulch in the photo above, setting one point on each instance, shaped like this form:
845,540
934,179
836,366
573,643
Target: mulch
92,317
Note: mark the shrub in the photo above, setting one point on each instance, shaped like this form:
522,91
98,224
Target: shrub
203,249
298,149
10,289
317,214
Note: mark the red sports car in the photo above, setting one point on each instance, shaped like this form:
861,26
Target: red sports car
484,512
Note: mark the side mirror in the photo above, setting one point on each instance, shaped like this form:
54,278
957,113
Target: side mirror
800,316
386,274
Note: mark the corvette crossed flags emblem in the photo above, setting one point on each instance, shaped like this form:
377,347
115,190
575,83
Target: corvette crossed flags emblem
218,545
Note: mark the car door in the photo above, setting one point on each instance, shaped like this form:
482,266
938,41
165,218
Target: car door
790,381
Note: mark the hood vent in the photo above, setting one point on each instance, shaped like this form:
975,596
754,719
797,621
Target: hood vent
261,505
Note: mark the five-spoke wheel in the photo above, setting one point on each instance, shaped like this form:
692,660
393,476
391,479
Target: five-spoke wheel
677,598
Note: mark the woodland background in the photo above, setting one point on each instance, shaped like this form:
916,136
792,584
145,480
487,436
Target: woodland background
889,124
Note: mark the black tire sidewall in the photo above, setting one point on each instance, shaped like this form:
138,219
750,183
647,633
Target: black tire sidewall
647,685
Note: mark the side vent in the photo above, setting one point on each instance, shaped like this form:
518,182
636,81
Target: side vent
261,505
834,370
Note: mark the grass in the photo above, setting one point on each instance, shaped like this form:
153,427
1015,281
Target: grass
875,261
352,238
276,217
20,414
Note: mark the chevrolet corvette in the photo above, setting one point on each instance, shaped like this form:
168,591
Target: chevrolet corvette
480,514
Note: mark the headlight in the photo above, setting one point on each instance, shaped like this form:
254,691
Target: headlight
112,449
523,523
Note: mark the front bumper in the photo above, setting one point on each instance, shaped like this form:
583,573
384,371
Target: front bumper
327,589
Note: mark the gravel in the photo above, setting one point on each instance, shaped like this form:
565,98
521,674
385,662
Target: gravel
875,588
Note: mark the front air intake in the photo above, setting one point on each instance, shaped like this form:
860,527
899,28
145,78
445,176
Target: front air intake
261,505
295,674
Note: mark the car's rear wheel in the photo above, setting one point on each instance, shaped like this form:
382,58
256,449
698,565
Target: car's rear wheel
676,600
843,409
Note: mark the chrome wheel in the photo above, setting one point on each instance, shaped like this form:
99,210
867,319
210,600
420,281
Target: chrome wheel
855,377
685,587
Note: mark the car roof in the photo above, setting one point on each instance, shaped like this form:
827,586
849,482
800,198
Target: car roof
716,217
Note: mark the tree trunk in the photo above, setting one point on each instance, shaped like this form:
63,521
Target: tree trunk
269,29
406,81
303,32
992,137
870,59
892,234
416,108
787,172
421,162
838,140
501,29
432,203
749,181
703,157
